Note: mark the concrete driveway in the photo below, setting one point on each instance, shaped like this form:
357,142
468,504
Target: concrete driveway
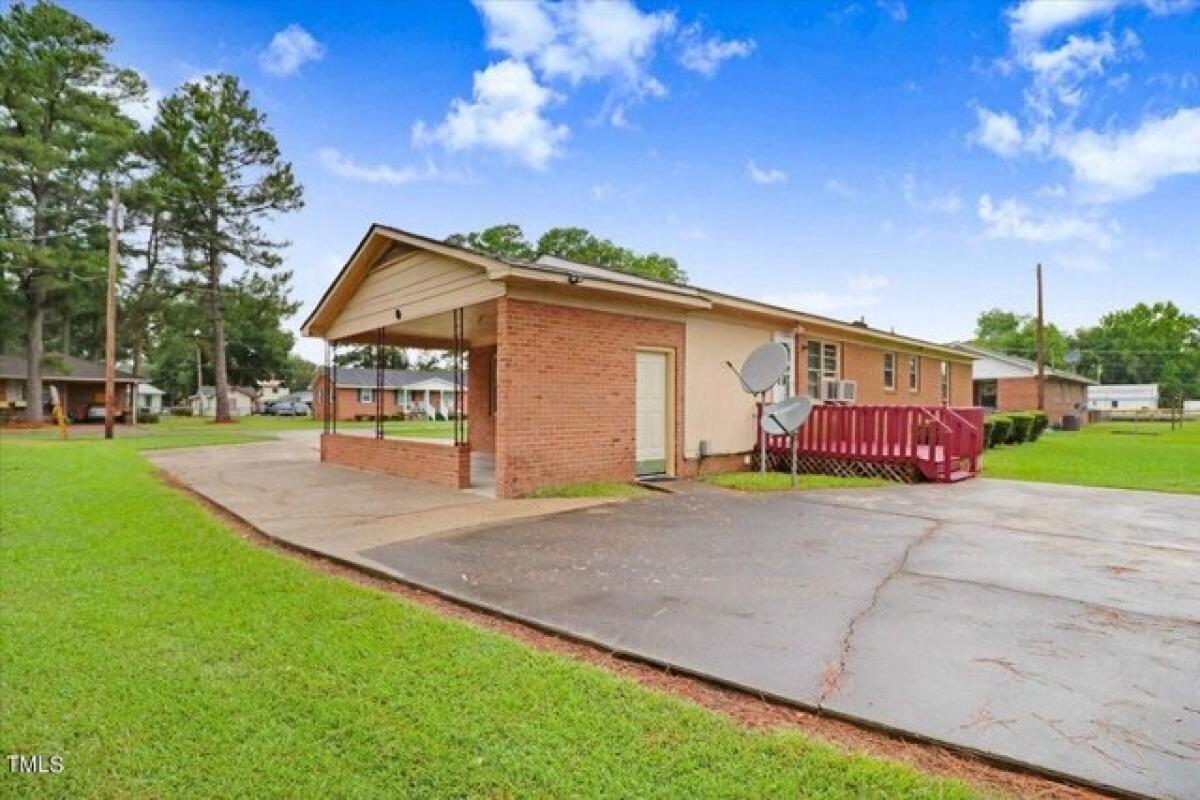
1049,625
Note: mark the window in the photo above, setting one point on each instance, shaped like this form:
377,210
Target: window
914,373
889,371
401,398
366,395
945,367
822,366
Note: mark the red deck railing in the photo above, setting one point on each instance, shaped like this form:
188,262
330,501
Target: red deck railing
943,442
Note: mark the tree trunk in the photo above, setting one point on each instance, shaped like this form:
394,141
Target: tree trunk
220,376
36,315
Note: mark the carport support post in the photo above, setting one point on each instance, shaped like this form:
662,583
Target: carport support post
379,384
325,389
333,387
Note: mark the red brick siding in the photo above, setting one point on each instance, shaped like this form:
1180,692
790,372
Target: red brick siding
482,429
863,364
566,381
446,464
1020,394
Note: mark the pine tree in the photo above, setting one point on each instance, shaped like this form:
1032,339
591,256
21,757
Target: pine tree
62,140
224,176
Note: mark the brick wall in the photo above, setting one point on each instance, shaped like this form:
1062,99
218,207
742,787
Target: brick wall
565,393
447,464
1062,397
481,431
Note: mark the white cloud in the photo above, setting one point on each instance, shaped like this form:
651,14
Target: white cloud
765,176
1114,166
822,302
290,49
842,190
693,233
144,110
896,9
1081,262
934,202
603,191
1058,75
868,283
505,115
998,131
344,166
706,54
1030,20
1011,219
577,40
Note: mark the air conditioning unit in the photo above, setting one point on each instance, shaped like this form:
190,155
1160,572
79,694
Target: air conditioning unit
843,391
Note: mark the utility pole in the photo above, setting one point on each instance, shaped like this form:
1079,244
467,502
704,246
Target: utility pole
110,320
1041,346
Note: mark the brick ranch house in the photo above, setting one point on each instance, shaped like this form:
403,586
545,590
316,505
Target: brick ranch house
408,391
582,373
79,383
1009,383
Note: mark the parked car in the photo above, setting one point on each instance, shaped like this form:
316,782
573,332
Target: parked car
288,408
95,413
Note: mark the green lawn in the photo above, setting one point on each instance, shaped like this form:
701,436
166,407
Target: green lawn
161,655
591,489
1123,455
781,481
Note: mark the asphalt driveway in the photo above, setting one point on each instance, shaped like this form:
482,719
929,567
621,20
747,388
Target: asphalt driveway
1051,625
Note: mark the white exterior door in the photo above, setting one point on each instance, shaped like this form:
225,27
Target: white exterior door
652,413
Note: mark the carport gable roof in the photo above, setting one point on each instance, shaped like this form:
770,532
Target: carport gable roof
380,239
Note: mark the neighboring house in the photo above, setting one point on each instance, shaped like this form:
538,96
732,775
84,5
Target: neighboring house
404,390
582,373
269,391
1009,383
78,382
149,398
1123,397
241,402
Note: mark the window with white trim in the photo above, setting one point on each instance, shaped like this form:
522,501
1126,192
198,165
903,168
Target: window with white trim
366,395
914,373
889,370
945,381
823,363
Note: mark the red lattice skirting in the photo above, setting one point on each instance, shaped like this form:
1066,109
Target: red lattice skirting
822,465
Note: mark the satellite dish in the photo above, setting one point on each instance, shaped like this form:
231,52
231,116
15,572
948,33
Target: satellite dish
783,418
764,367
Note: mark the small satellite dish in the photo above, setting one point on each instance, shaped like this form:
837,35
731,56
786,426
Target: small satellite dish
764,367
783,418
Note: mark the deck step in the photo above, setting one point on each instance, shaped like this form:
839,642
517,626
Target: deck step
961,475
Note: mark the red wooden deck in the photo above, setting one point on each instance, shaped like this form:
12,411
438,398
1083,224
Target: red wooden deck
942,442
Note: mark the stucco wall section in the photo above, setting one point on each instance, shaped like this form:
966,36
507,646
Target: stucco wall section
717,409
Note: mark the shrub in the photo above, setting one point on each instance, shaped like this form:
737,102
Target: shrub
1001,427
439,417
988,424
1022,424
147,418
1040,423
181,411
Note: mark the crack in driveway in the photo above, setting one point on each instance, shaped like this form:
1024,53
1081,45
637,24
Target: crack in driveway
831,676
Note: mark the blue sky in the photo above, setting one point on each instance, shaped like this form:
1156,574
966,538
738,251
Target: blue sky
905,162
